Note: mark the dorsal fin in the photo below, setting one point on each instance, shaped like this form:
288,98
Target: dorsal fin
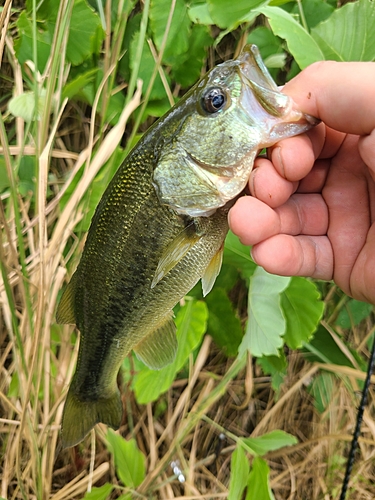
65,311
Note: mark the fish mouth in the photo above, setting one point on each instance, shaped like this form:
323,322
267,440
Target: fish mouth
264,101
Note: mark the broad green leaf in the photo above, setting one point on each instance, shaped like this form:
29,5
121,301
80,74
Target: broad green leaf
271,441
266,324
74,86
303,309
85,33
324,349
200,14
238,255
101,493
146,69
23,105
267,43
191,322
188,67
24,44
239,473
300,43
348,34
275,366
130,463
27,175
178,35
353,313
315,11
270,47
224,325
229,14
258,486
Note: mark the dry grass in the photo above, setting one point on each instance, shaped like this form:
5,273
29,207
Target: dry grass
37,356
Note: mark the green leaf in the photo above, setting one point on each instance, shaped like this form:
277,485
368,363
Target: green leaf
191,322
266,324
230,14
271,441
303,310
239,473
85,33
101,493
85,30
238,255
130,463
146,69
258,486
324,349
188,66
23,105
4,180
200,14
178,36
353,313
323,390
348,34
315,11
224,325
276,367
74,87
300,43
267,43
24,44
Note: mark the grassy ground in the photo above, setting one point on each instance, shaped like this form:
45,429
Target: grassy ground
193,422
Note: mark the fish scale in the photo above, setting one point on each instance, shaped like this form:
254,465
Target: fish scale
160,228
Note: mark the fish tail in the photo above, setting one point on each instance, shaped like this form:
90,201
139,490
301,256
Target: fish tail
79,417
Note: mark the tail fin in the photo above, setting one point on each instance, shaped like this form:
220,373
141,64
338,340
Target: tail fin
79,417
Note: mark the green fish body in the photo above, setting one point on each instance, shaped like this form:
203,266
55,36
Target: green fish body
160,228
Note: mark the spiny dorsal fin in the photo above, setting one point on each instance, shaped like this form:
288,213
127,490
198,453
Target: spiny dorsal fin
174,253
159,348
65,311
212,271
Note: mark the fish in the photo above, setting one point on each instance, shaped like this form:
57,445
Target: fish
160,228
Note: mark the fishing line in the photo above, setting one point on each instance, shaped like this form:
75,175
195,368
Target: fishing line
361,409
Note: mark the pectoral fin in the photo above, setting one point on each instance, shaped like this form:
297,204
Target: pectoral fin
174,253
212,271
65,311
159,348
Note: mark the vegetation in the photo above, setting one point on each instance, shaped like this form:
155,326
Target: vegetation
262,398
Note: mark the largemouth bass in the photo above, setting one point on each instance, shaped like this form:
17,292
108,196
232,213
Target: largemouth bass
160,227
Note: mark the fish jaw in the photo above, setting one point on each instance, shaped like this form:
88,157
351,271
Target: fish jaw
209,160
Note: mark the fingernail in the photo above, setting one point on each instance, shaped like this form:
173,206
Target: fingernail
251,254
280,161
252,184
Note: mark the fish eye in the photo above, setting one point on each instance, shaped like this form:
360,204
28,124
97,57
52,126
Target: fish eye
213,100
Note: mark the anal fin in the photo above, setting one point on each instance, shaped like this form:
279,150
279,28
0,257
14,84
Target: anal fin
212,271
159,348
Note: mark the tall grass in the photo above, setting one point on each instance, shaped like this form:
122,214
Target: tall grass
39,248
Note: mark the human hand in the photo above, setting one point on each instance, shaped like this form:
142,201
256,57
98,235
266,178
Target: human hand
312,209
